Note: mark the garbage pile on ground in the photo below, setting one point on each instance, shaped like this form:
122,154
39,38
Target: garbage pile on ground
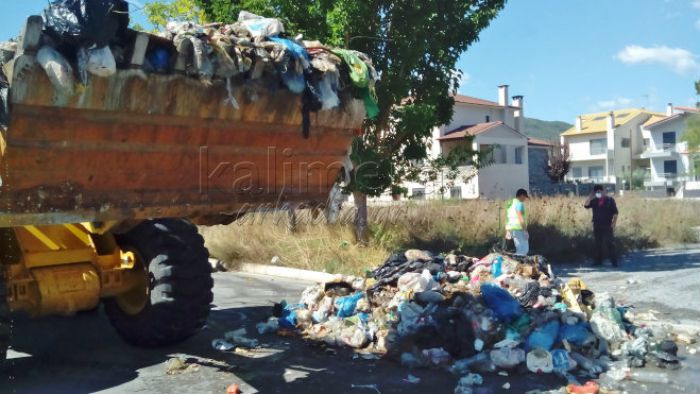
474,316
91,38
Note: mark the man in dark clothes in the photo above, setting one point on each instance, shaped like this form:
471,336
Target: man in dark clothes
604,220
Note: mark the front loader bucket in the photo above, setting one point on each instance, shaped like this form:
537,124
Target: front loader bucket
135,146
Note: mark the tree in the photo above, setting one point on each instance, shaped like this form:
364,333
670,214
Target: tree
559,163
415,47
159,13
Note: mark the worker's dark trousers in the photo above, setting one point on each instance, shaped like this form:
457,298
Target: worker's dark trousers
604,236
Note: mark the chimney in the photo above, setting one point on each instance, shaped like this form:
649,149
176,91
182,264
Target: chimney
519,113
503,95
579,123
669,109
611,121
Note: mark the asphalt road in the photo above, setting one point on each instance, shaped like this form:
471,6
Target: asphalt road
83,354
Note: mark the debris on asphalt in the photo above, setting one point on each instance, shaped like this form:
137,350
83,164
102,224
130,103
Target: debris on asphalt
450,311
412,379
177,365
240,339
372,387
222,345
233,389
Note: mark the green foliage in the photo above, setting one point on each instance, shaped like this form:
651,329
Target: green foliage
545,129
160,12
415,47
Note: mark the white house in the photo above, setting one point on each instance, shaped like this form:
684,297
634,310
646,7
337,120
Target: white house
671,167
606,147
493,125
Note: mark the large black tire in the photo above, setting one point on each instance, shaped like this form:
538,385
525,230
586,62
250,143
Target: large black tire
179,277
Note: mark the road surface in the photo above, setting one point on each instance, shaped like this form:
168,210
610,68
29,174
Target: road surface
82,354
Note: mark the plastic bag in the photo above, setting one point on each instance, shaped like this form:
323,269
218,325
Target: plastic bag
416,282
507,357
607,324
544,336
575,334
328,91
57,68
346,305
270,326
258,26
87,22
504,306
562,362
98,61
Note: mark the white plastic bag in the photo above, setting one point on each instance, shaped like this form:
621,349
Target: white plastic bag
57,68
96,61
258,26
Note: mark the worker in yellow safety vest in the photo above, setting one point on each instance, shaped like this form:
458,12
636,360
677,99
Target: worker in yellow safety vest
516,222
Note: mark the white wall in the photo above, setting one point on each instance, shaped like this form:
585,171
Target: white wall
501,181
580,146
470,114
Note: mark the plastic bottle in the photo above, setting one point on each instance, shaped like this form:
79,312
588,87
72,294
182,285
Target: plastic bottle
497,267
649,377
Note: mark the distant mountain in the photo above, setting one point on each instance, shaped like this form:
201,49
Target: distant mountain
545,129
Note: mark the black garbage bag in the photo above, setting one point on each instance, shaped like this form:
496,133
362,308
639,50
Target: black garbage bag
86,23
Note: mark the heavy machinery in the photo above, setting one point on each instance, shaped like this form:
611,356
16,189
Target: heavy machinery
101,190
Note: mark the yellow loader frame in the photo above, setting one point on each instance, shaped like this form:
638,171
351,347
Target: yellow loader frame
63,269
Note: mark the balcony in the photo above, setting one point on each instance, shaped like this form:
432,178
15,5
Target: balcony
664,151
669,179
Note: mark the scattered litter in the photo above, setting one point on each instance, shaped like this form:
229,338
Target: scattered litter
366,387
588,388
176,366
466,383
233,389
503,373
506,386
239,338
222,345
412,379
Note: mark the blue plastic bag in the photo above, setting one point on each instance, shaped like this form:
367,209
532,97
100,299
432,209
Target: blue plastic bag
561,361
575,334
504,306
544,336
288,318
346,305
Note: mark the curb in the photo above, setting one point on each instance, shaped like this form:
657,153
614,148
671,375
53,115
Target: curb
288,273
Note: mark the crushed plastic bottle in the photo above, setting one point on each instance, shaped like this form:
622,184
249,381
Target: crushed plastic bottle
649,377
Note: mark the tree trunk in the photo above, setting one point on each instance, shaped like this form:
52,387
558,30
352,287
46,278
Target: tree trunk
361,228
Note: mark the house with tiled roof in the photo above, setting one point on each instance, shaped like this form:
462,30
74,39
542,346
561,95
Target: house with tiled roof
605,146
619,146
672,167
493,126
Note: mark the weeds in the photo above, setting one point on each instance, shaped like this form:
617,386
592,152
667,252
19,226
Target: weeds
559,227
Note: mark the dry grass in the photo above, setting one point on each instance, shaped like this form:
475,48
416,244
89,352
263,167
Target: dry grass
560,229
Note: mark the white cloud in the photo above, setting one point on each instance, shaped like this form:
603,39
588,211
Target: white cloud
695,4
465,78
679,60
613,103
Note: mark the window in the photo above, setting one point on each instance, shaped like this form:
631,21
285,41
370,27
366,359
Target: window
500,155
669,140
519,155
670,168
599,146
646,143
456,192
625,143
418,193
596,173
576,172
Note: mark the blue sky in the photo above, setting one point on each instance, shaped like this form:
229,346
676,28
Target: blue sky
565,56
